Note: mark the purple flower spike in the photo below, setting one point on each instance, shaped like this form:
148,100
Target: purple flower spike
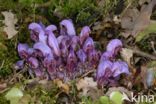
108,55
114,46
35,29
33,62
42,49
81,55
71,61
52,42
67,27
19,64
23,50
120,67
88,45
84,34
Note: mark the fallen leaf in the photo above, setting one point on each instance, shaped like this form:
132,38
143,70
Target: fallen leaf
14,95
89,88
63,86
127,54
9,22
135,21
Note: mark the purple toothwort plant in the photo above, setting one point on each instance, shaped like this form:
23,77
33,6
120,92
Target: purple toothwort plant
68,55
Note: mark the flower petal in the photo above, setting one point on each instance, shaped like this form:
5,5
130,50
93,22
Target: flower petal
22,50
102,67
74,42
81,55
84,34
93,57
71,61
33,62
52,42
43,48
88,45
114,46
19,64
120,67
35,29
51,28
67,27
108,55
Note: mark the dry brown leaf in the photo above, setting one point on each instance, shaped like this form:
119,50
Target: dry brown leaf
135,21
63,86
9,22
89,88
127,54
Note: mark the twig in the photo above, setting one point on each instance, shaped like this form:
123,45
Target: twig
91,71
135,51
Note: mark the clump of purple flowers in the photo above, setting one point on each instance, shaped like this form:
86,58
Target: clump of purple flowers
109,68
66,55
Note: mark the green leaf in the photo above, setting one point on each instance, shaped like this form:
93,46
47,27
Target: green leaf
14,95
116,97
104,100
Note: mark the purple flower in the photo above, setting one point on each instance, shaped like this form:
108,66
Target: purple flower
93,57
42,49
48,60
88,45
19,64
104,71
81,55
52,42
120,67
71,61
38,72
74,42
84,34
64,43
51,28
108,55
35,29
50,64
67,27
33,62
23,50
42,37
114,46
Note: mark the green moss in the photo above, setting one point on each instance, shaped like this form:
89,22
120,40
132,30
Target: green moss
3,100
